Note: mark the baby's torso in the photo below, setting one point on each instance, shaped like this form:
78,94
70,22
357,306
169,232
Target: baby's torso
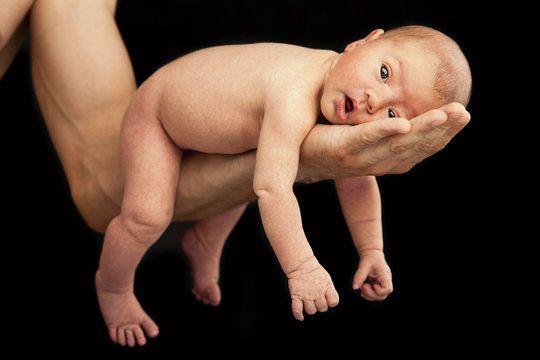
213,100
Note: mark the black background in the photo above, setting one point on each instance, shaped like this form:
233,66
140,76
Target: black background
447,225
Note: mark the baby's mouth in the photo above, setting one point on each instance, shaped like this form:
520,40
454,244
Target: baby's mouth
349,104
344,107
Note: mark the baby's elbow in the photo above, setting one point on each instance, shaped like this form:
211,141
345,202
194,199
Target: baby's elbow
272,191
261,186
262,192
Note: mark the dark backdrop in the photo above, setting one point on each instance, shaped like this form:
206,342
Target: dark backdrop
441,221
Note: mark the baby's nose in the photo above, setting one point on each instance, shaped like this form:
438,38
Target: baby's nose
375,100
372,101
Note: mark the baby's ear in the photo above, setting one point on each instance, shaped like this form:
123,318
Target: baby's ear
375,34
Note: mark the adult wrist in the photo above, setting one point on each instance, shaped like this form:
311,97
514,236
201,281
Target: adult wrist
317,157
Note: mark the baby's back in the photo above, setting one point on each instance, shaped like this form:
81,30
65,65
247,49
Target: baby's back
213,100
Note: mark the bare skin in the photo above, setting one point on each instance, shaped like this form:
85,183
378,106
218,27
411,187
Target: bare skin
11,18
83,103
231,99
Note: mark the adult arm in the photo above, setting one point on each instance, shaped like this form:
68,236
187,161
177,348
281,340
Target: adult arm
210,184
13,29
83,103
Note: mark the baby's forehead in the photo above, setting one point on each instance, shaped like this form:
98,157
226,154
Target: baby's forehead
410,46
412,57
415,73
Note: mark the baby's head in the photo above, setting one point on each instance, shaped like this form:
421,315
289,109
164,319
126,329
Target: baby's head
401,73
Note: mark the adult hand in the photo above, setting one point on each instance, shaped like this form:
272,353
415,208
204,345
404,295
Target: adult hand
389,146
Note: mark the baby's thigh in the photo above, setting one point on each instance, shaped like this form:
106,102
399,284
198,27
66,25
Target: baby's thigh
151,163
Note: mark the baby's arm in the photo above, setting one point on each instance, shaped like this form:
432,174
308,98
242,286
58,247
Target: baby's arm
276,166
361,204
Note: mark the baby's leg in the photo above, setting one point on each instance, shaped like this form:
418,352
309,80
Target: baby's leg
203,243
151,163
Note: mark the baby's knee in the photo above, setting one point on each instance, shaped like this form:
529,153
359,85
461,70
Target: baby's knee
145,224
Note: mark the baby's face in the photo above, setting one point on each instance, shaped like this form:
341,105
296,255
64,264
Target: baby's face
379,79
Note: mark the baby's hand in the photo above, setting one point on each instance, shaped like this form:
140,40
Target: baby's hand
311,289
373,276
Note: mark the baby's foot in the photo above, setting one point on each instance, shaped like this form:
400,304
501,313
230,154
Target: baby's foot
126,320
204,258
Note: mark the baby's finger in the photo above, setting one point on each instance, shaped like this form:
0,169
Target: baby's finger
309,307
386,286
321,304
368,292
381,292
332,297
298,309
361,275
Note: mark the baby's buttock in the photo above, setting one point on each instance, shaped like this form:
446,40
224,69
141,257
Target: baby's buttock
225,135
201,114
217,139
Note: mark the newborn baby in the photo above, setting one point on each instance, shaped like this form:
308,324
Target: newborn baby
267,96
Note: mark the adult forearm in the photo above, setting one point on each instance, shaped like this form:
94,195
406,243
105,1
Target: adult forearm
211,184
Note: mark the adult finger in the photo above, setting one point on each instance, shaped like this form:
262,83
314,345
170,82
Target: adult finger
435,140
372,132
395,154
458,118
422,125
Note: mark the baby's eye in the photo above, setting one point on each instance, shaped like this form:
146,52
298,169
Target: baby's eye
384,73
391,113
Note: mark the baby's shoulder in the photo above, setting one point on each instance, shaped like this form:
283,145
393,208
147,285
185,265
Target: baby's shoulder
291,69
